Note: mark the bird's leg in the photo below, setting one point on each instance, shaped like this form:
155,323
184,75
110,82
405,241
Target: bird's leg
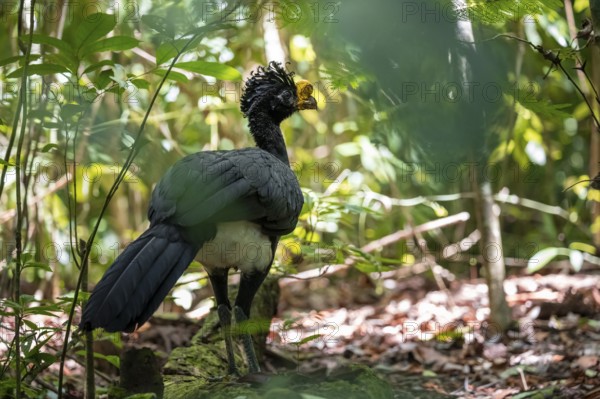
247,343
249,285
218,280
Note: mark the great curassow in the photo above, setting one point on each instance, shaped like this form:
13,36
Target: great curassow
227,209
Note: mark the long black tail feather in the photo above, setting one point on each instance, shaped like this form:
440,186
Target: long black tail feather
138,281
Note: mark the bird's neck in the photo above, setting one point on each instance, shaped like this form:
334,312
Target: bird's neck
267,135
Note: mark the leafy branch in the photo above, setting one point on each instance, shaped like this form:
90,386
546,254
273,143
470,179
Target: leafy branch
556,61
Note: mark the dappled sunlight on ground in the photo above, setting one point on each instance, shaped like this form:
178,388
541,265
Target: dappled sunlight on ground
413,329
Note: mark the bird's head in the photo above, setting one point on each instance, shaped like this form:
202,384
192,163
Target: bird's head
272,90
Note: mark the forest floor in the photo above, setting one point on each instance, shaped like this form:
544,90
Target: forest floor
420,336
416,328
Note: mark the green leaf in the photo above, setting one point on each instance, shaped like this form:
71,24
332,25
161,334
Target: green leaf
543,257
66,54
112,359
6,163
49,146
98,65
30,324
548,109
141,83
538,393
576,259
170,49
11,304
367,267
38,69
43,357
348,149
10,60
309,338
92,28
103,78
43,310
38,265
69,110
176,76
166,51
110,44
215,69
583,247
159,24
59,44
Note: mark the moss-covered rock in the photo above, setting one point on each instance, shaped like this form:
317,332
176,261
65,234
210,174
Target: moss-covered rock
355,382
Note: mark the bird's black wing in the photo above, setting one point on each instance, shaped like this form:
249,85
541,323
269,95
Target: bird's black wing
211,187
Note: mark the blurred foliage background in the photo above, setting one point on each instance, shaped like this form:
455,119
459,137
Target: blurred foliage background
395,143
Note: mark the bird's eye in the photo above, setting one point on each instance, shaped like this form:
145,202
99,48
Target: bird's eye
286,98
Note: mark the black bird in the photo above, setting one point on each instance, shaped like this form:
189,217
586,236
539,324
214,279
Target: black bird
227,209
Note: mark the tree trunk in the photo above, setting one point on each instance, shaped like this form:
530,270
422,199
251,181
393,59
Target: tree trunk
488,219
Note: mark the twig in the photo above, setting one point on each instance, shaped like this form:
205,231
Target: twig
377,244
422,228
536,205
19,204
573,33
523,380
90,383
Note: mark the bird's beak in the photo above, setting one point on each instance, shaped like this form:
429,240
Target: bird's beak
305,99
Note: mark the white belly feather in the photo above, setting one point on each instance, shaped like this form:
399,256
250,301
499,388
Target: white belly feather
237,244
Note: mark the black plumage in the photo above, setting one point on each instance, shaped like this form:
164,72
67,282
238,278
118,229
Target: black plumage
205,205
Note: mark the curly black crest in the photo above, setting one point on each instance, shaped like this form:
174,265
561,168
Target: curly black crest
264,80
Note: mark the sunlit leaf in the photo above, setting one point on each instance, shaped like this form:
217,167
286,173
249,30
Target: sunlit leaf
545,256
576,259
348,149
114,43
48,147
141,83
173,75
38,69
